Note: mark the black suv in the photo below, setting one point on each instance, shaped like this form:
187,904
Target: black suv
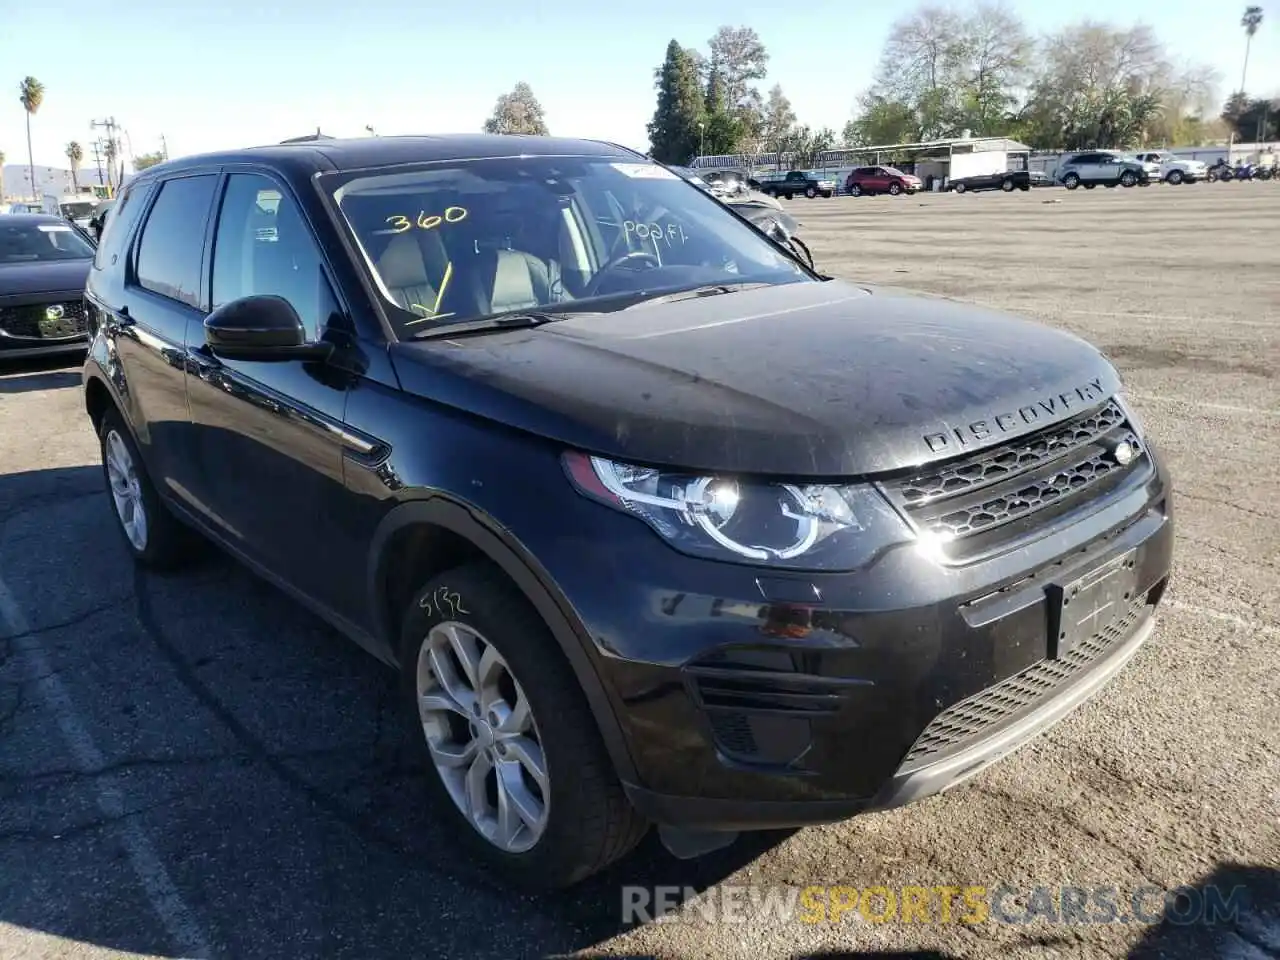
657,524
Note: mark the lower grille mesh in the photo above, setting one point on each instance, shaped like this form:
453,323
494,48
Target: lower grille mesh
967,720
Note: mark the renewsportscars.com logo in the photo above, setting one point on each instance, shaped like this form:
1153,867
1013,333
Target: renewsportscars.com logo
969,904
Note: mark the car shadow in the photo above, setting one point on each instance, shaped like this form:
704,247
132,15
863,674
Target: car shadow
33,376
1231,912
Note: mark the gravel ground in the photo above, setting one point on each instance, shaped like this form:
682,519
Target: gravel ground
194,765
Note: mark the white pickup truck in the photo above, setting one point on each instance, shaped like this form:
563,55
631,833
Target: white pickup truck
1174,169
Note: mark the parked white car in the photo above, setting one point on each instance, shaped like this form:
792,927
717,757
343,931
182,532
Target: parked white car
1174,169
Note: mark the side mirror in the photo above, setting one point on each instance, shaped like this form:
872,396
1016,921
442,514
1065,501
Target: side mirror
260,327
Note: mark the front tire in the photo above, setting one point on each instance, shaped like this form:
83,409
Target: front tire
811,192
855,190
960,187
1071,181
153,536
895,189
515,759
1128,178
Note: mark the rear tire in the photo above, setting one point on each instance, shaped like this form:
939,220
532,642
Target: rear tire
1175,177
585,819
153,536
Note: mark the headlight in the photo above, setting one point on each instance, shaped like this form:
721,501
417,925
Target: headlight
800,526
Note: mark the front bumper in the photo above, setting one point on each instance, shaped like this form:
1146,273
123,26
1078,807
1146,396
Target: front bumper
751,698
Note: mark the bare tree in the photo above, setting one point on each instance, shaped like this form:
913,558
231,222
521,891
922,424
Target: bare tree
740,58
779,118
994,53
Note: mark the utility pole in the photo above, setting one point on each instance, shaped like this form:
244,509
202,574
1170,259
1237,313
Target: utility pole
112,149
164,147
97,158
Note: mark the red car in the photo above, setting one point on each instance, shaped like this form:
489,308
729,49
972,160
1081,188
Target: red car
881,180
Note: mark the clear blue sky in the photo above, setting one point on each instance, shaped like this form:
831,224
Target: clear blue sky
228,75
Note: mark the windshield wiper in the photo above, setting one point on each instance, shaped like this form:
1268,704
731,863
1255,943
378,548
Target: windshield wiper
504,321
706,290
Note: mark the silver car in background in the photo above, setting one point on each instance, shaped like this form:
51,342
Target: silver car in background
1106,167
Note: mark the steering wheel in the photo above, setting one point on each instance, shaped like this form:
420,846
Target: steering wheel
633,256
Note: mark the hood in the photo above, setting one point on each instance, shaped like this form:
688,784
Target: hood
821,379
49,276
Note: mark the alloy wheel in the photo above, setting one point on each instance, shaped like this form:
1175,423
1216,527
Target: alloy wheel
483,737
126,490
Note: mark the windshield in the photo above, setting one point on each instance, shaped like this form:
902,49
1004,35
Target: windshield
30,242
78,210
473,239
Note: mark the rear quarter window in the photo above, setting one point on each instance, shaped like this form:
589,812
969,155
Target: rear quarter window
120,223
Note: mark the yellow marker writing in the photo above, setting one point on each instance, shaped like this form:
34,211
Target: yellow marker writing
444,285
433,312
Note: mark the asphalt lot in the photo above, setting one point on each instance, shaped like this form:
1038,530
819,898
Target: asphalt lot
193,764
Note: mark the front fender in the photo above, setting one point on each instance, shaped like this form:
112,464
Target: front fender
503,549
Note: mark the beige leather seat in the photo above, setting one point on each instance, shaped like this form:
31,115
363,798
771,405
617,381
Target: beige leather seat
411,267
520,282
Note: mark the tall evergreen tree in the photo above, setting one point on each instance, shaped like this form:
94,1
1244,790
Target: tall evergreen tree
674,131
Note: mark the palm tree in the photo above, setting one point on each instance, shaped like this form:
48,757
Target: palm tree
1251,20
31,95
75,153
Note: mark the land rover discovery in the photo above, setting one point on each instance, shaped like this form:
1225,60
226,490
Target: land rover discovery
657,524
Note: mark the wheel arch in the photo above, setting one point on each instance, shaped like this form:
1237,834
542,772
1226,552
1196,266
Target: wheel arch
438,533
98,399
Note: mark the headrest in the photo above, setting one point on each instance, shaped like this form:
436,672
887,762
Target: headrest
401,264
512,283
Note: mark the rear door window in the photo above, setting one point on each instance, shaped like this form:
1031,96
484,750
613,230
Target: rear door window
171,249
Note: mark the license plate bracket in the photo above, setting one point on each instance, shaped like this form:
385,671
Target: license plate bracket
1087,605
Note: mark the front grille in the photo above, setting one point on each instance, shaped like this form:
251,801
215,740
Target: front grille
1059,467
32,321
966,721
